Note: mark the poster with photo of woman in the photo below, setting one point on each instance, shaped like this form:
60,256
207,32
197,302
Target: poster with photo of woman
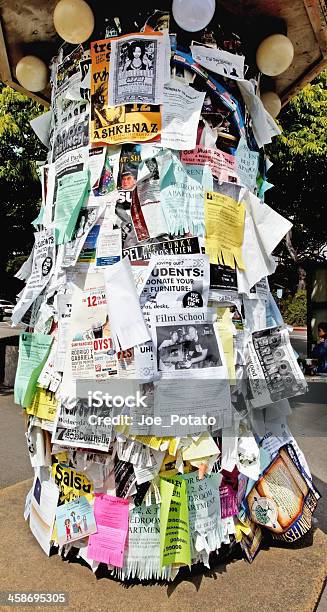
135,69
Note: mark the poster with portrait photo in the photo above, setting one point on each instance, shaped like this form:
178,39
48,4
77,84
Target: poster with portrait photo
187,347
136,69
152,166
187,344
190,363
119,123
130,158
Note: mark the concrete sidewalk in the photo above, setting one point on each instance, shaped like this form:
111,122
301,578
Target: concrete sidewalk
278,579
13,447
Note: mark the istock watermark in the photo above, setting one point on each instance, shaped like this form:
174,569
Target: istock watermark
96,399
148,420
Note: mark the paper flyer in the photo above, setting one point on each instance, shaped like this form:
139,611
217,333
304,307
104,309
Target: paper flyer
33,353
71,483
43,508
41,271
286,510
135,66
44,405
108,544
174,523
144,535
181,113
217,60
222,165
182,196
224,221
272,368
122,123
204,514
72,426
71,193
74,521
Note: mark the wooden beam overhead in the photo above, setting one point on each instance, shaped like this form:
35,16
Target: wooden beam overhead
6,76
27,28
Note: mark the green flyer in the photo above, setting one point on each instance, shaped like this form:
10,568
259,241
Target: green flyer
174,522
33,353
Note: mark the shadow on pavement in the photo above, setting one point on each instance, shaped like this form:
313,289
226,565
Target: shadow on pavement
218,563
320,512
6,390
317,393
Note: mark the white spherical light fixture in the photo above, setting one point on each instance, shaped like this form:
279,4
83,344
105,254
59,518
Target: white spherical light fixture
275,54
193,15
32,73
271,102
73,20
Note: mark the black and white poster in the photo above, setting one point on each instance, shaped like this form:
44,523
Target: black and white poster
178,281
83,426
190,363
141,254
136,74
273,371
187,344
223,278
186,347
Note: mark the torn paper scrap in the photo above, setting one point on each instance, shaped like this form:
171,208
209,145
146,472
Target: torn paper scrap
125,316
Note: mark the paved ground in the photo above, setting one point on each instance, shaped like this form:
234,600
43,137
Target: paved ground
278,579
299,341
6,330
14,460
322,606
308,424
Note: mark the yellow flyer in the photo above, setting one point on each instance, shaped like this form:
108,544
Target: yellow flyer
174,522
224,222
225,329
151,441
117,124
71,483
44,405
168,467
171,444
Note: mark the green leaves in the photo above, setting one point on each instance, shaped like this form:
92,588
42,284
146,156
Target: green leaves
19,184
300,167
294,309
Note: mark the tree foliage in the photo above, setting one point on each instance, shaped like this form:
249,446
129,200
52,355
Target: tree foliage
300,168
19,184
15,263
294,309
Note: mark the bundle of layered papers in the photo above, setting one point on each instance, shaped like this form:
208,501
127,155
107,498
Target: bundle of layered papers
155,367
